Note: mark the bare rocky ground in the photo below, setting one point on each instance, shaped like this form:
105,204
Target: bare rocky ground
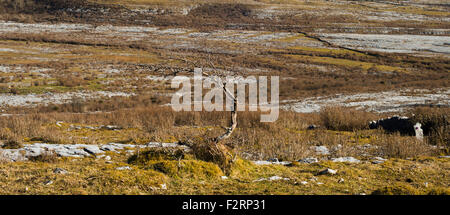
383,57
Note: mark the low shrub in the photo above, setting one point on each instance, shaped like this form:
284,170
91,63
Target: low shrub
345,119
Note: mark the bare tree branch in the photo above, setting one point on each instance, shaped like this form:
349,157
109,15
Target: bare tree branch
233,123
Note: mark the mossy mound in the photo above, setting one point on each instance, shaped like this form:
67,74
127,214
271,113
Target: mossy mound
243,168
176,163
194,169
157,154
397,190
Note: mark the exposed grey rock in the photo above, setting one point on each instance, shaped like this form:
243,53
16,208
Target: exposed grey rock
60,171
328,172
111,127
269,163
123,168
341,180
308,160
12,155
321,150
93,149
273,178
72,150
346,159
378,160
48,182
337,147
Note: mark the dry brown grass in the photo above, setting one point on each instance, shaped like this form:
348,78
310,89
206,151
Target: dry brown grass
70,81
435,123
345,119
403,147
285,139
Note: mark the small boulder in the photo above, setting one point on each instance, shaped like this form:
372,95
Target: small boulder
327,172
60,171
378,160
321,150
123,168
308,160
48,182
346,159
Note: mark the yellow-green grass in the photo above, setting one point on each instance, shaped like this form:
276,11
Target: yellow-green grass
346,63
90,176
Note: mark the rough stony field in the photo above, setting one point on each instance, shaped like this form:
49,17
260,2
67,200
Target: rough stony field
85,88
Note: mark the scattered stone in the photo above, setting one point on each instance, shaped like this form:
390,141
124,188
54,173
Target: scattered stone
378,160
273,178
346,159
60,171
312,127
48,182
123,168
321,150
224,177
313,179
74,150
304,182
164,186
309,160
341,180
108,158
285,163
111,127
319,183
328,172
337,147
93,149
447,156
